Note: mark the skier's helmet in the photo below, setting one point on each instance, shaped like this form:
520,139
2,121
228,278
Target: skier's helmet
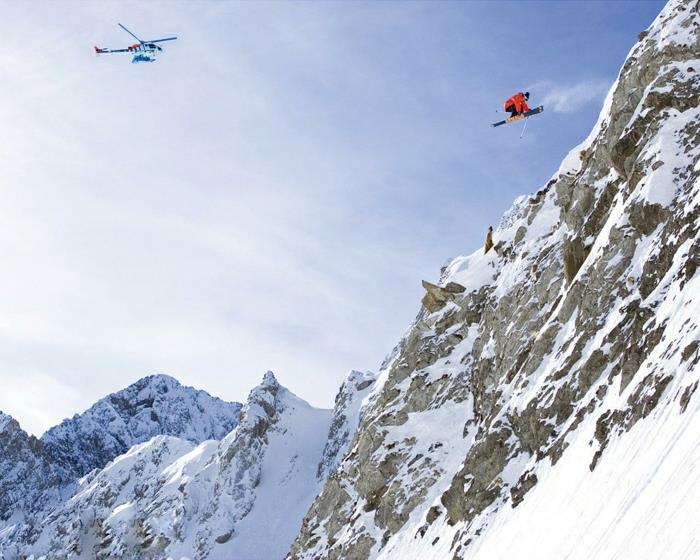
527,95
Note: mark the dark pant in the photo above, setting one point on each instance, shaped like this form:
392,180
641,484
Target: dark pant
512,110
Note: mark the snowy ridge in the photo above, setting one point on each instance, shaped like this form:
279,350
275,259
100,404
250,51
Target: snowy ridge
551,407
154,405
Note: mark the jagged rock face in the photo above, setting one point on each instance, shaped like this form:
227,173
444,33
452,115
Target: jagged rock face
346,415
27,474
242,497
154,405
581,323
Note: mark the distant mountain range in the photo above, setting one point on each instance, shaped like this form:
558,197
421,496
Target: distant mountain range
162,470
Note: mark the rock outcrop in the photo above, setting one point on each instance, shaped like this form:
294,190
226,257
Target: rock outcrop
346,416
437,296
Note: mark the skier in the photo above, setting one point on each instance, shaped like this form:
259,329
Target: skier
517,104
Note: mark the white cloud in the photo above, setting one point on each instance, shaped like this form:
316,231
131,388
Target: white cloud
571,98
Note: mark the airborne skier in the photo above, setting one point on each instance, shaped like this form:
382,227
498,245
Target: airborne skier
518,108
517,104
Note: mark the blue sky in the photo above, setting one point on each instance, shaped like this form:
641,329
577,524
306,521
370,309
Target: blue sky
270,193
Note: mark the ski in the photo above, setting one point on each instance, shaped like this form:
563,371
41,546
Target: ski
521,116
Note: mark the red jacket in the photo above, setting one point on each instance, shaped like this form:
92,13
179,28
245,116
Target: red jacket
519,101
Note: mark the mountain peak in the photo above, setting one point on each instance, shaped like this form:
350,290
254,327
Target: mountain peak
269,380
153,405
5,421
264,400
359,380
156,379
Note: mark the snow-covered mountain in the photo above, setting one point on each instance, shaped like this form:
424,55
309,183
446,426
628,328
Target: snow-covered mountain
37,475
241,497
544,404
154,405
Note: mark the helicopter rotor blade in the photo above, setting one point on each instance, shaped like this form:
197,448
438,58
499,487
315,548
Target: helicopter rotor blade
161,40
130,33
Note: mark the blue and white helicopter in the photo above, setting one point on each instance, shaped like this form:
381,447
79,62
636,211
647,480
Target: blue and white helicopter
143,51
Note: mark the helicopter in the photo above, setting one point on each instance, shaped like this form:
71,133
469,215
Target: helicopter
143,51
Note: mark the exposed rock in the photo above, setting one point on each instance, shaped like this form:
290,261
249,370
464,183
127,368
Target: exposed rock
526,482
687,393
454,288
575,252
436,296
346,415
690,350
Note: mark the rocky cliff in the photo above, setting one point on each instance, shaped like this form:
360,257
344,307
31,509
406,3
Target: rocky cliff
346,416
545,399
28,476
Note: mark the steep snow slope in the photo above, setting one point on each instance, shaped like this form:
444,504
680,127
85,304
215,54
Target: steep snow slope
154,405
545,401
288,484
